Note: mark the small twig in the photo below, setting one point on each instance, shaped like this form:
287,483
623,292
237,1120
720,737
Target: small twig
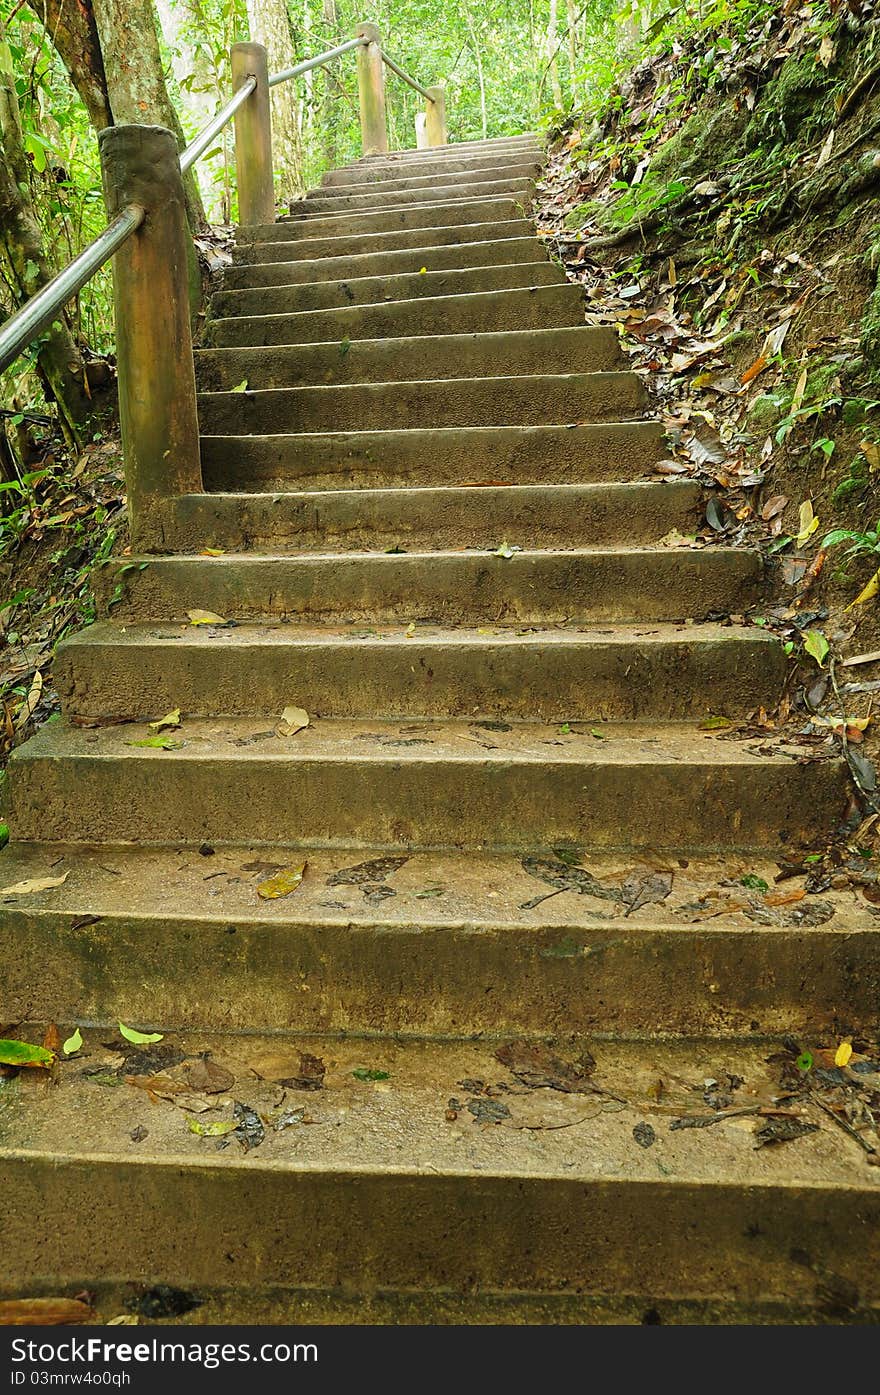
843,1123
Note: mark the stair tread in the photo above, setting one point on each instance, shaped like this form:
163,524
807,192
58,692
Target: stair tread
398,1128
428,741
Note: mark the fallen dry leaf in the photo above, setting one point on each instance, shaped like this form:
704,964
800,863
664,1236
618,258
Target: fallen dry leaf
283,883
44,1312
38,884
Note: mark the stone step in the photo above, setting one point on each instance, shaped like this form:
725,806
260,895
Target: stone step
594,348
140,672
372,784
421,174
458,455
255,251
499,401
390,1190
392,196
504,251
181,939
424,215
534,587
376,520
294,298
532,307
506,145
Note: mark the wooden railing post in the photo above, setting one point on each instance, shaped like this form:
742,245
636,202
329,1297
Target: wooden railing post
371,92
435,116
253,136
157,389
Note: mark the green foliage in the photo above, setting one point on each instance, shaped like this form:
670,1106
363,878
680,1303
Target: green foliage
862,543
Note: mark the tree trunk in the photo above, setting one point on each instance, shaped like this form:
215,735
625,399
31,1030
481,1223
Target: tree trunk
59,362
552,50
72,31
329,90
180,21
135,79
270,26
571,21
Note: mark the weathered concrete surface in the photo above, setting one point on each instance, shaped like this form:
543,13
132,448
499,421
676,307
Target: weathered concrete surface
423,175
562,675
452,257
354,201
253,250
418,456
593,348
534,400
385,1192
369,290
368,784
532,307
176,938
424,215
378,520
534,587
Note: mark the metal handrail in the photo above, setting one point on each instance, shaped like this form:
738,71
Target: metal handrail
38,313
198,147
395,68
318,62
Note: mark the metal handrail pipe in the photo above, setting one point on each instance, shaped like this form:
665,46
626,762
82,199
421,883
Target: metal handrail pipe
318,62
197,148
395,68
23,327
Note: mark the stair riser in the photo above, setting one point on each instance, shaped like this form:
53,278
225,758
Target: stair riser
77,1221
452,402
425,175
544,307
430,215
178,972
418,679
552,587
505,252
408,360
247,251
370,290
352,520
382,802
392,196
516,455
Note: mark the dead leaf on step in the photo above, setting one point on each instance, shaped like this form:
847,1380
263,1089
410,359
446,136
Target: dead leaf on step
31,702
205,617
38,884
644,889
249,1129
309,1074
283,883
161,1087
539,1068
214,1128
377,870
52,1039
166,723
208,1077
783,1130
44,1312
293,719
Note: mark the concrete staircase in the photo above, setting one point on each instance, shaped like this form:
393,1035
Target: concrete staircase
399,383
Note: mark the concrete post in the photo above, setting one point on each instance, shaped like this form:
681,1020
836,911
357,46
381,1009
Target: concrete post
435,116
253,137
371,91
157,389
421,131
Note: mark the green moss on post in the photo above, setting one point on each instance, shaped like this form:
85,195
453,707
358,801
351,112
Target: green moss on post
371,92
253,137
157,390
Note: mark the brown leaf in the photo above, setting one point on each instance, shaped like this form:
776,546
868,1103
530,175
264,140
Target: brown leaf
537,1067
52,1038
207,1077
754,369
44,1312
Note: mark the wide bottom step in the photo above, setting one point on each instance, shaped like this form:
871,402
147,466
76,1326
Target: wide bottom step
365,1164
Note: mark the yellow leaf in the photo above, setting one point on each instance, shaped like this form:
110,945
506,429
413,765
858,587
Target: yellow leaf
843,1054
808,523
868,592
871,451
205,617
171,719
282,884
293,719
40,884
799,393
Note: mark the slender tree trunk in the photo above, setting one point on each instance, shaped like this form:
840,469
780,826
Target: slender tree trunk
329,90
270,25
478,55
572,21
180,20
70,25
135,79
552,51
60,364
